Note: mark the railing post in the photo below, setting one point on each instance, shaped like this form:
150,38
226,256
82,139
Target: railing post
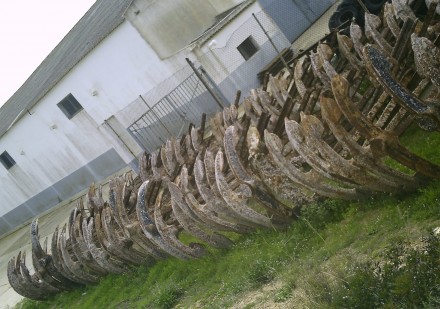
214,85
157,117
213,94
271,42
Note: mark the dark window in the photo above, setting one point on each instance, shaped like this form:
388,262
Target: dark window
7,160
70,106
248,47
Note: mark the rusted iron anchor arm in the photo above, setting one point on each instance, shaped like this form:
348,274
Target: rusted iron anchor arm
380,67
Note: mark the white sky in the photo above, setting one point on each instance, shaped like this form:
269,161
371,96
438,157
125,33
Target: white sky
29,31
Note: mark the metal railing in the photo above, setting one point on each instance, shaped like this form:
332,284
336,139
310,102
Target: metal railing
173,113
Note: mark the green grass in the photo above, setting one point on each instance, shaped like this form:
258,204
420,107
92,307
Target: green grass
406,276
327,258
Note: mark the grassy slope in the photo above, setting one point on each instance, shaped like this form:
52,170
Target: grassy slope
304,265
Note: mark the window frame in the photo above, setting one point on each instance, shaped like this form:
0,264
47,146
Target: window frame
244,48
70,106
7,161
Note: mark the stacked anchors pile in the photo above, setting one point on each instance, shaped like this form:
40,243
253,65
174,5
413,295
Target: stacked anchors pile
322,129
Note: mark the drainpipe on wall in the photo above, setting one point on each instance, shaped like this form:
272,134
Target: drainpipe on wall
211,46
119,138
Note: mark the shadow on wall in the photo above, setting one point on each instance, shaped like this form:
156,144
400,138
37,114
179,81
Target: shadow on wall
293,17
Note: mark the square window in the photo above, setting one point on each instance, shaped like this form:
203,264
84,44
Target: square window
248,48
7,160
70,106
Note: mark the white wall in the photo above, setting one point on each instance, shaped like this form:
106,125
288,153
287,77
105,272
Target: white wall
119,69
170,25
219,55
47,146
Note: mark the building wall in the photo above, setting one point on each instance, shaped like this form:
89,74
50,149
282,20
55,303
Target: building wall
57,157
169,25
283,20
116,72
295,16
224,63
220,52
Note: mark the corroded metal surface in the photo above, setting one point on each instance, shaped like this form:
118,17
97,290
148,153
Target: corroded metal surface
324,129
428,113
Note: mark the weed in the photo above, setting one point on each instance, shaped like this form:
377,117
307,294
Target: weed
365,84
168,297
284,294
261,273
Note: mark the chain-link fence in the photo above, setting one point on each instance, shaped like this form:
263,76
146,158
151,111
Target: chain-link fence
232,55
230,68
293,17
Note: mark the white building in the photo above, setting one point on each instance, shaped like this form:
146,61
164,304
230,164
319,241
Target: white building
66,127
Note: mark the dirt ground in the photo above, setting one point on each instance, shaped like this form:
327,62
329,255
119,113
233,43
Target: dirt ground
19,240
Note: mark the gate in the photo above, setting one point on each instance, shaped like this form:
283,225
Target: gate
173,113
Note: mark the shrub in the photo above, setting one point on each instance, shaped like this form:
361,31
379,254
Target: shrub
321,213
261,272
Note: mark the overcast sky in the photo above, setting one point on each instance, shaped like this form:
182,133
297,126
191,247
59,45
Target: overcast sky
29,30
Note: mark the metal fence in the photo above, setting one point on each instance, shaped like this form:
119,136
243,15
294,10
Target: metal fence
174,112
